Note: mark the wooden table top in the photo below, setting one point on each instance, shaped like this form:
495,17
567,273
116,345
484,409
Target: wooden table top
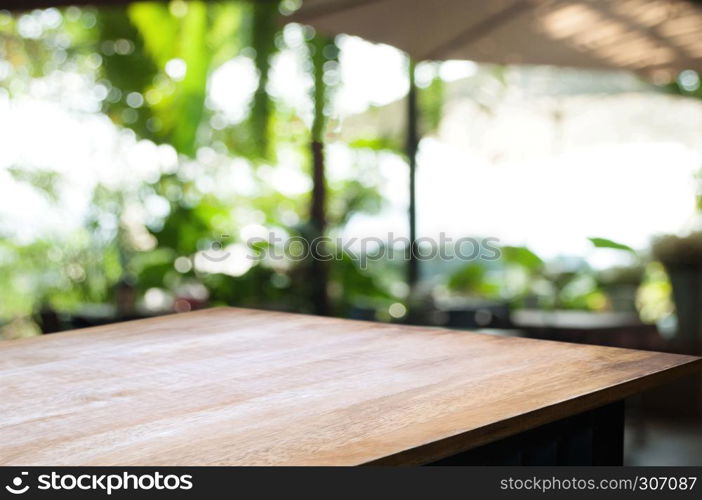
233,386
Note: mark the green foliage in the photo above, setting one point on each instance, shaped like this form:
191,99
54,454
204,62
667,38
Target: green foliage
473,279
141,41
350,197
189,225
379,143
188,103
524,279
522,257
152,269
57,47
431,105
224,35
127,69
263,28
356,286
130,51
158,29
64,276
45,181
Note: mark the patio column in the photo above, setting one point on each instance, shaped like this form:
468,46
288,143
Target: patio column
412,147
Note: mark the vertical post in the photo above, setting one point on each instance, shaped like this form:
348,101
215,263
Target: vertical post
320,48
319,188
412,147
319,272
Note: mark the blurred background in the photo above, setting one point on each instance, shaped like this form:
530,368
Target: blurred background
139,141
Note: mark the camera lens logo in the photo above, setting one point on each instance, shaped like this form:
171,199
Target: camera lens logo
16,487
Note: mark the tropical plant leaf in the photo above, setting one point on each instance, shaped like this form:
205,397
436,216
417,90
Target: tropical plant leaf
226,26
606,243
190,101
263,29
158,28
180,107
522,256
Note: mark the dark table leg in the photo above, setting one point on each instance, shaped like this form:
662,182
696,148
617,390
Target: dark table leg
595,437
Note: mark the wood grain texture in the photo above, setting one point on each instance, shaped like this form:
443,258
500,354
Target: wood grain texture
232,386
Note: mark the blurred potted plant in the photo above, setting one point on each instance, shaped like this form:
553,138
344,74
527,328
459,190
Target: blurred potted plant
682,258
620,283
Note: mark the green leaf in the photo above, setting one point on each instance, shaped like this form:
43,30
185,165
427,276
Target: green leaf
190,101
521,256
181,106
263,28
158,28
225,34
605,243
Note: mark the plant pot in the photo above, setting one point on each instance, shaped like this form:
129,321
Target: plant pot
687,295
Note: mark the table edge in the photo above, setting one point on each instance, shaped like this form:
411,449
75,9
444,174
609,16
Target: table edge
446,447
